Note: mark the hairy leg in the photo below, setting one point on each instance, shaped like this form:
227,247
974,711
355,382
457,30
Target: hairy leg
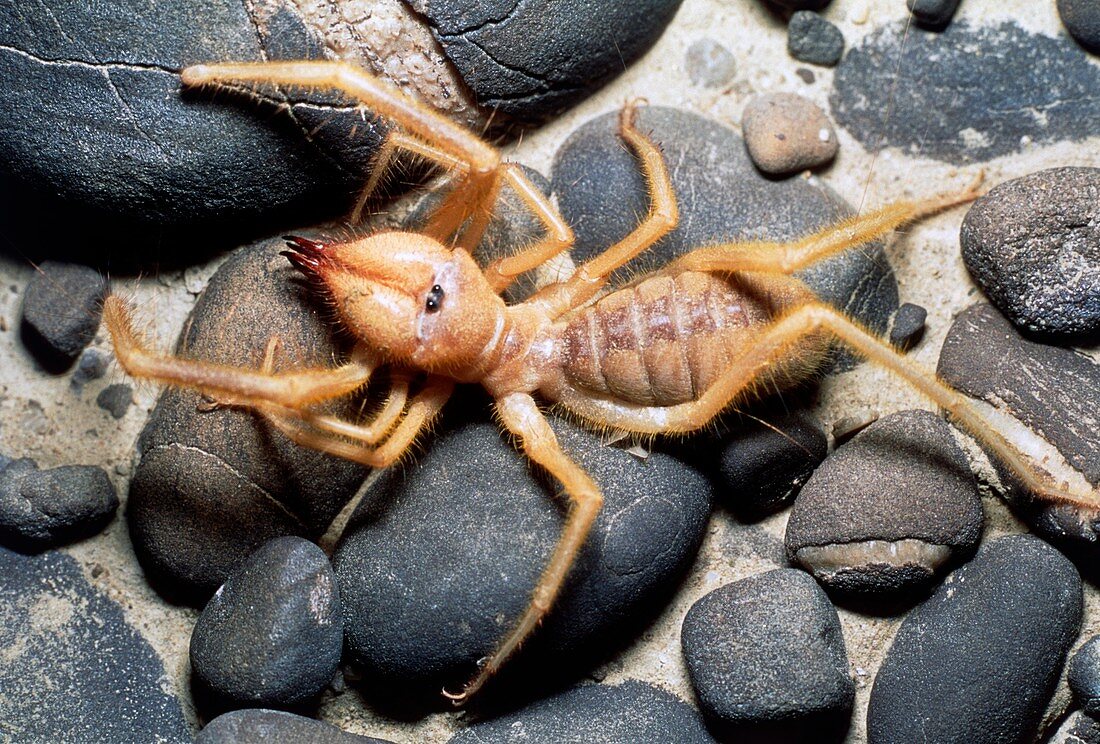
396,142
522,417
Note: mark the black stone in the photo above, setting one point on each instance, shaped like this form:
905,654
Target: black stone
115,399
91,366
1082,19
810,38
1033,244
723,198
272,634
974,96
148,150
531,59
443,556
213,485
762,466
800,4
258,726
908,326
933,14
40,509
74,669
1051,390
888,510
767,660
1084,676
621,714
1077,728
61,309
979,660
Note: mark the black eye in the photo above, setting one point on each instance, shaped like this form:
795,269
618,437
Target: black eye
435,299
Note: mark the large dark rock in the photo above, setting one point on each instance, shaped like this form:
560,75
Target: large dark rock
1033,244
767,660
213,485
61,309
890,509
627,713
272,634
1053,391
442,559
531,59
259,726
74,669
978,661
967,94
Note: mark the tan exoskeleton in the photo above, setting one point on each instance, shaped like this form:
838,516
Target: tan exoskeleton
664,354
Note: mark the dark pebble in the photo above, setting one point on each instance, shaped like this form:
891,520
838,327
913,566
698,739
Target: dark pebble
887,511
441,561
115,399
532,59
91,366
212,486
272,634
1051,390
979,660
810,38
1084,676
61,309
762,466
933,14
40,509
806,74
767,660
710,64
601,714
74,669
800,4
723,198
1033,244
1082,19
908,326
786,133
981,100
258,726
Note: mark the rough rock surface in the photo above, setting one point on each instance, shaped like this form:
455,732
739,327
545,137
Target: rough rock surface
61,308
40,509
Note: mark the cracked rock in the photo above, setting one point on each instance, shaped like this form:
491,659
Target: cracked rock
979,660
889,510
767,660
1033,244
786,133
40,509
530,59
214,484
61,309
272,634
442,558
259,726
617,714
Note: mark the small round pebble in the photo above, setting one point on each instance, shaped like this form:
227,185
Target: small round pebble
933,14
61,309
1084,676
978,661
115,399
627,713
786,133
1082,19
887,511
260,726
766,656
710,64
810,38
40,509
1033,244
273,633
908,326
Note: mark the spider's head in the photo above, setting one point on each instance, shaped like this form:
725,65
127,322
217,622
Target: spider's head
408,296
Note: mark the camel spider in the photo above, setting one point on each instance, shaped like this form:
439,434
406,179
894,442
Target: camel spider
663,354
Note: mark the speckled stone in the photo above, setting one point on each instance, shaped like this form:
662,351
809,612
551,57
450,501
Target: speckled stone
785,133
259,726
61,308
1033,244
1084,676
978,661
40,509
1082,19
598,714
767,660
811,38
889,510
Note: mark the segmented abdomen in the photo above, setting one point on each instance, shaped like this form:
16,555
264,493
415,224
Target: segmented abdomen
662,341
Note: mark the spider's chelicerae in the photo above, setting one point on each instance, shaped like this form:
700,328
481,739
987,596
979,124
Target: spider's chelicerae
663,354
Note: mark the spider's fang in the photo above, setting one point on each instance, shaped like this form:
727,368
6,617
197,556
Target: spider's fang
307,255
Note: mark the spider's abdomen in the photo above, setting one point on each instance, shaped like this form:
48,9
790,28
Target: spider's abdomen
662,341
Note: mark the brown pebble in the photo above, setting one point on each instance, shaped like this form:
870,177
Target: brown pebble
786,133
